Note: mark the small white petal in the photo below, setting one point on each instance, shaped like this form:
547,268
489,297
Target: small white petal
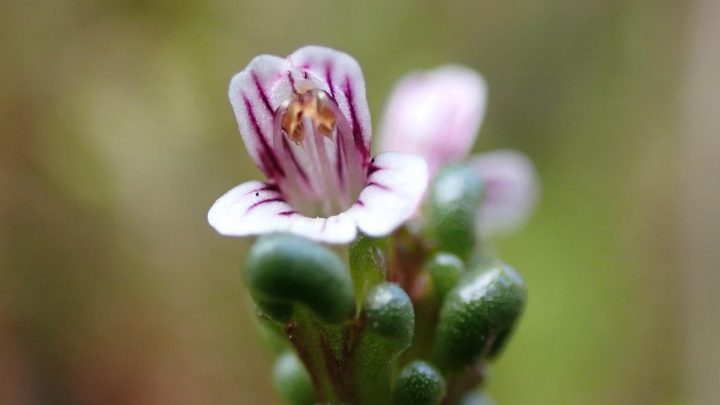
394,191
512,189
255,208
250,95
435,114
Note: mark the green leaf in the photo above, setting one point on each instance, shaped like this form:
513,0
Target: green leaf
292,381
388,325
445,271
368,264
419,383
482,308
271,333
388,314
454,199
284,269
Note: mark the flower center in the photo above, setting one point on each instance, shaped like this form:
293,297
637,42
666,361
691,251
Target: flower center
324,172
315,105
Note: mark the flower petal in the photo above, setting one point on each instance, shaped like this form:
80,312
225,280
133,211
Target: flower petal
250,94
435,114
396,185
255,208
512,189
344,81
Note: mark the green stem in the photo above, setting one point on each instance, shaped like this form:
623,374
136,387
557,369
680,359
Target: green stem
310,342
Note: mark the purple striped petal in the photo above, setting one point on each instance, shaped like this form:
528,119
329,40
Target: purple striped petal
396,185
250,95
512,190
343,79
255,208
435,114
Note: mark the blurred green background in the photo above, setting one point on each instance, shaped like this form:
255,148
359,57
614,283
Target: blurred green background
116,136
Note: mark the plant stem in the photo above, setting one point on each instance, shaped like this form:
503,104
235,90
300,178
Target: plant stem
307,336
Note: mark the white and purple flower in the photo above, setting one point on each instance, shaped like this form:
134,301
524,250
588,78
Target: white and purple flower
437,115
306,124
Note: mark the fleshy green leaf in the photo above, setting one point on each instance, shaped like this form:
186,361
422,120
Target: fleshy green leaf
482,308
455,195
292,381
388,329
445,271
368,264
419,383
284,269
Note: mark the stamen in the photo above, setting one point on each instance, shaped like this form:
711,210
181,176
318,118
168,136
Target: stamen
313,104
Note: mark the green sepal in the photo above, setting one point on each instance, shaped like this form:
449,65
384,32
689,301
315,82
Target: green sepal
454,199
388,324
292,381
284,269
445,271
368,264
419,383
484,306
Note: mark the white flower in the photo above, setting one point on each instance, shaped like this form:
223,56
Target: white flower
305,122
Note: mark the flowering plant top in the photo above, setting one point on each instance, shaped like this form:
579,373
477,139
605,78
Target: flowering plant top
411,314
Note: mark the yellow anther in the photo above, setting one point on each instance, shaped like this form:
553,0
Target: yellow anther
313,104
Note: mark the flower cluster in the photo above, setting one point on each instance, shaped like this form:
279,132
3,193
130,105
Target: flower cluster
419,289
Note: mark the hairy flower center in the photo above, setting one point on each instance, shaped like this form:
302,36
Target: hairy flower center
314,104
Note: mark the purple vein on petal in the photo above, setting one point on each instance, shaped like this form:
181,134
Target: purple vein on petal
373,168
291,80
266,153
287,213
328,78
339,161
378,185
269,187
263,202
356,129
261,93
265,187
299,168
359,203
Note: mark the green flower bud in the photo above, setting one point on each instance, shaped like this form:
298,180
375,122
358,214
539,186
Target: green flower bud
292,381
455,196
445,271
419,383
484,306
284,269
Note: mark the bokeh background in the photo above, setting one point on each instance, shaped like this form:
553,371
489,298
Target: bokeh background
116,136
